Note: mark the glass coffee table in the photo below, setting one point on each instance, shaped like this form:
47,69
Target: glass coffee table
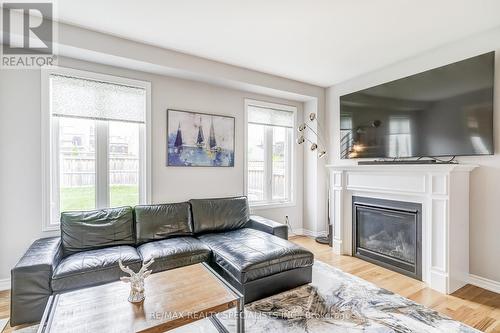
174,298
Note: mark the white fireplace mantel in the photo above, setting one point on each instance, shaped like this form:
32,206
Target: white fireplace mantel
443,192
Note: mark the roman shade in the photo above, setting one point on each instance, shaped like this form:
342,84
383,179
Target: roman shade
86,98
269,116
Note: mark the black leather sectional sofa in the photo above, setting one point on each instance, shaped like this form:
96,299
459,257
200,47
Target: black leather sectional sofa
251,252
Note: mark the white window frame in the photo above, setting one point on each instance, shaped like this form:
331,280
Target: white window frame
293,160
50,222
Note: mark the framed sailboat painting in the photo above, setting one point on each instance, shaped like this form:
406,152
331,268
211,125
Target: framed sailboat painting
197,139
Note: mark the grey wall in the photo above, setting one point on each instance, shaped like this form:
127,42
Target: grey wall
20,151
80,43
485,180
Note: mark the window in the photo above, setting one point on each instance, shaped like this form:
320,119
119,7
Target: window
399,137
270,152
95,142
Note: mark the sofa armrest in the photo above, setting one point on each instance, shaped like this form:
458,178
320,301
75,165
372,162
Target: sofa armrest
269,226
30,280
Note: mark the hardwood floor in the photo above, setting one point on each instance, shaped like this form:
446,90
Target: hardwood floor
471,305
5,311
4,304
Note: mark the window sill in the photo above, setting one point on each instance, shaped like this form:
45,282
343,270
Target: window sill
51,227
271,205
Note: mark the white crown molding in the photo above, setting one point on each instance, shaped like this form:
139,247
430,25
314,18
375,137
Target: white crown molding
4,284
484,283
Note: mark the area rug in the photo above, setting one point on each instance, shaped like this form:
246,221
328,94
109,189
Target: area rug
335,302
3,323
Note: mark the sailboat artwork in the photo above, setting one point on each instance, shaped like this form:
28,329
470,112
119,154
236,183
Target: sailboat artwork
178,140
187,142
200,140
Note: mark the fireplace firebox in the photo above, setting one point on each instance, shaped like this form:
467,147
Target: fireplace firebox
388,233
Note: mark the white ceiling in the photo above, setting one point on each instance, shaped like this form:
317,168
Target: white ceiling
322,42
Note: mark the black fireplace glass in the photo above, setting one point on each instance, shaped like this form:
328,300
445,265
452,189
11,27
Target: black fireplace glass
390,233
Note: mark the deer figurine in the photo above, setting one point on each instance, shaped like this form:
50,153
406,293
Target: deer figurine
136,280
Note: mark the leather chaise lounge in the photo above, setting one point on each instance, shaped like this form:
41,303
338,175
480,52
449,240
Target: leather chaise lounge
250,252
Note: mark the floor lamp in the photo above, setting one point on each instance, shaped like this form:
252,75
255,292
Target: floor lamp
319,147
328,238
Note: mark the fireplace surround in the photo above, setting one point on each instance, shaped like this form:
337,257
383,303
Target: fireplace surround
388,233
442,190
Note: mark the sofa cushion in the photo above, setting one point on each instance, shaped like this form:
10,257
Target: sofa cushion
94,267
174,252
155,222
219,214
89,230
248,254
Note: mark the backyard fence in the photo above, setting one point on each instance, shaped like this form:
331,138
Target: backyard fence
80,171
256,179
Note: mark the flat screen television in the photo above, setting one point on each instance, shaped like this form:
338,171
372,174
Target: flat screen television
447,111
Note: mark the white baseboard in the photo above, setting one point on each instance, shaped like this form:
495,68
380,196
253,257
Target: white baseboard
484,283
338,247
4,285
309,233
